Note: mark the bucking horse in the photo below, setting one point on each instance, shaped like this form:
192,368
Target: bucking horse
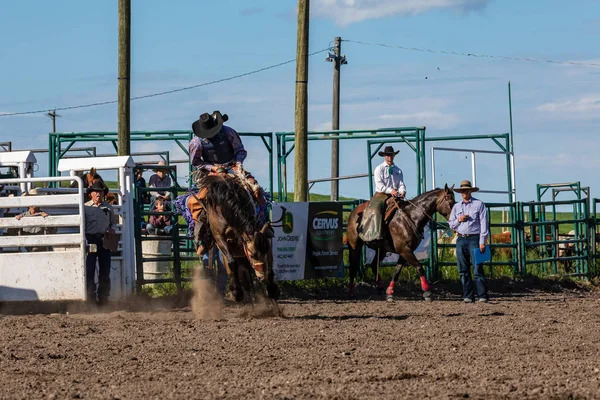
403,231
231,217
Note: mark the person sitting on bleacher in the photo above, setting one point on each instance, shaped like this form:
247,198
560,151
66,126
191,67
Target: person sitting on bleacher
35,211
159,224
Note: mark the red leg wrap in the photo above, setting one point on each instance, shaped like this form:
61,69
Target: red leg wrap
424,284
390,289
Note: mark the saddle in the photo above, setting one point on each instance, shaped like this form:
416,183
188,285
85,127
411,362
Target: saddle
376,212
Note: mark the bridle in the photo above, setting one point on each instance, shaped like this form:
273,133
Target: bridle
438,202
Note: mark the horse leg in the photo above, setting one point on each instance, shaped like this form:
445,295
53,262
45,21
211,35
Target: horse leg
354,258
410,258
390,289
374,268
232,267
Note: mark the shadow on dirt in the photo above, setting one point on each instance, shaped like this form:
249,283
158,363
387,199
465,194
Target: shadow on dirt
348,317
329,290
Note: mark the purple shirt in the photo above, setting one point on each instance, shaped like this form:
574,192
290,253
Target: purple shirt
477,222
196,146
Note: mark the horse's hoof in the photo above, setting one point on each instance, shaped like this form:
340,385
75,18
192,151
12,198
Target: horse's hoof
427,295
273,291
390,298
428,299
239,296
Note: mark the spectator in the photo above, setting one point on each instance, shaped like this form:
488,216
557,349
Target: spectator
34,211
99,225
159,224
160,180
141,183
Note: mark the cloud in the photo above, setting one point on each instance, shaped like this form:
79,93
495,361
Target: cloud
346,12
251,11
583,107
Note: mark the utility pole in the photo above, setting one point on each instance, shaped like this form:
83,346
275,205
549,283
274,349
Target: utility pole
301,116
53,115
124,74
338,60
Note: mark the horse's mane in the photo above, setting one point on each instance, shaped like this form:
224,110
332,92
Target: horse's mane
227,195
426,194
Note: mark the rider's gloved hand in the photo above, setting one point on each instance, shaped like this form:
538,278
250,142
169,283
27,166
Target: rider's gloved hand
238,167
217,168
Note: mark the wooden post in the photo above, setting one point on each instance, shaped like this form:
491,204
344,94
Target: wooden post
301,116
124,73
335,120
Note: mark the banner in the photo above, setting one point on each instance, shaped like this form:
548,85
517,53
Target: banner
289,243
324,251
308,241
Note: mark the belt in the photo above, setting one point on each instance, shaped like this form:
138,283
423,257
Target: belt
467,235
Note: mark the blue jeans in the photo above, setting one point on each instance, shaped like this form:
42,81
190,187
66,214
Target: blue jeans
464,259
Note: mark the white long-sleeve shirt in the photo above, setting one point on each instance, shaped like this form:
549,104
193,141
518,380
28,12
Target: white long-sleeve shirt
386,182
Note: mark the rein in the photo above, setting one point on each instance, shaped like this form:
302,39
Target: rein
414,226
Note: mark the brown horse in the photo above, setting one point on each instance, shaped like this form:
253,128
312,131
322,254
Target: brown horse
402,235
246,248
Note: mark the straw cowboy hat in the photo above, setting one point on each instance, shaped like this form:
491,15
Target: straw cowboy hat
32,192
208,125
96,187
161,162
388,151
466,186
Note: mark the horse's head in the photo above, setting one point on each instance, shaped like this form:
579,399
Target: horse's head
445,201
258,250
260,254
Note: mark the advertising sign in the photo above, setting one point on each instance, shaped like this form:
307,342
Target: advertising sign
289,243
324,251
308,241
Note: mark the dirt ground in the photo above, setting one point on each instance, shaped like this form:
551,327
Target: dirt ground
520,345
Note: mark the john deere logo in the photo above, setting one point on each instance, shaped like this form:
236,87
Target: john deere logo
287,225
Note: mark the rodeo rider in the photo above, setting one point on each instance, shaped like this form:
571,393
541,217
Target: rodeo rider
389,181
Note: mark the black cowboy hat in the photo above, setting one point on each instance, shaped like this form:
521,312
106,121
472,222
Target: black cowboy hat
466,186
388,151
208,125
96,187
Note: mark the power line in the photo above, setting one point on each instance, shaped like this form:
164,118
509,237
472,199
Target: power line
456,53
163,93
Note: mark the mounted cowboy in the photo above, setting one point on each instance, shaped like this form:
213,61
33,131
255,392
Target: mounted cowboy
389,182
217,149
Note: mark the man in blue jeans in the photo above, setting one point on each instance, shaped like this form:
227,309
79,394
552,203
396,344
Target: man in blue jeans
469,219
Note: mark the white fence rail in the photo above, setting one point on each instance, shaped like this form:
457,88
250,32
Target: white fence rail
48,265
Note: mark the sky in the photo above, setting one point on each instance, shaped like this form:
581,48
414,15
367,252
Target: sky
64,53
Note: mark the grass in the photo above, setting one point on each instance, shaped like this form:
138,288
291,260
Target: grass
324,287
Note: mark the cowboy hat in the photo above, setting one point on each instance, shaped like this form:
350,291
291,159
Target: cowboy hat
96,187
32,192
208,125
388,151
466,186
161,162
